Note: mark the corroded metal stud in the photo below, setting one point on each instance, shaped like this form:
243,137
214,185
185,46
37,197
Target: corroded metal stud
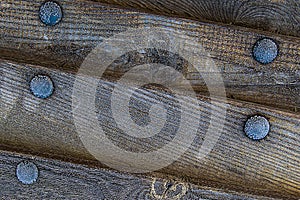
50,13
257,127
265,51
41,86
27,172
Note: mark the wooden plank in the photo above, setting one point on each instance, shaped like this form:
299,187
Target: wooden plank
46,127
59,179
24,38
270,15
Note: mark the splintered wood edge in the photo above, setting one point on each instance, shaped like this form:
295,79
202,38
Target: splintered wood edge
57,179
46,127
85,24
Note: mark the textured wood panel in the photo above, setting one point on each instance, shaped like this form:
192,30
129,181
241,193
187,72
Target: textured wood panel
61,180
270,15
24,38
46,127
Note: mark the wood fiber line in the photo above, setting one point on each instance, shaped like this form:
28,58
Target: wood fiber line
46,127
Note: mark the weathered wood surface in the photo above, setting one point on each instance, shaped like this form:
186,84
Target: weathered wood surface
24,38
46,127
62,180
277,16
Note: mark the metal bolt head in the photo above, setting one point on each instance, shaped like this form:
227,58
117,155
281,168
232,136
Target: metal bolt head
50,13
27,172
257,127
265,51
41,86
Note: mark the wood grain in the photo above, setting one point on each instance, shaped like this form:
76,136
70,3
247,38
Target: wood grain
59,180
46,127
276,16
25,39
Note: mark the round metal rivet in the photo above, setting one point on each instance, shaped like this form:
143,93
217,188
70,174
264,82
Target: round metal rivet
257,127
41,86
27,172
50,13
265,51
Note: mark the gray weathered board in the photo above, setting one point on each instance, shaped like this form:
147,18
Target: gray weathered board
46,127
63,180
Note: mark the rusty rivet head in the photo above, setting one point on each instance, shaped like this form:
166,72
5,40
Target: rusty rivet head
50,13
257,127
27,172
265,51
41,86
